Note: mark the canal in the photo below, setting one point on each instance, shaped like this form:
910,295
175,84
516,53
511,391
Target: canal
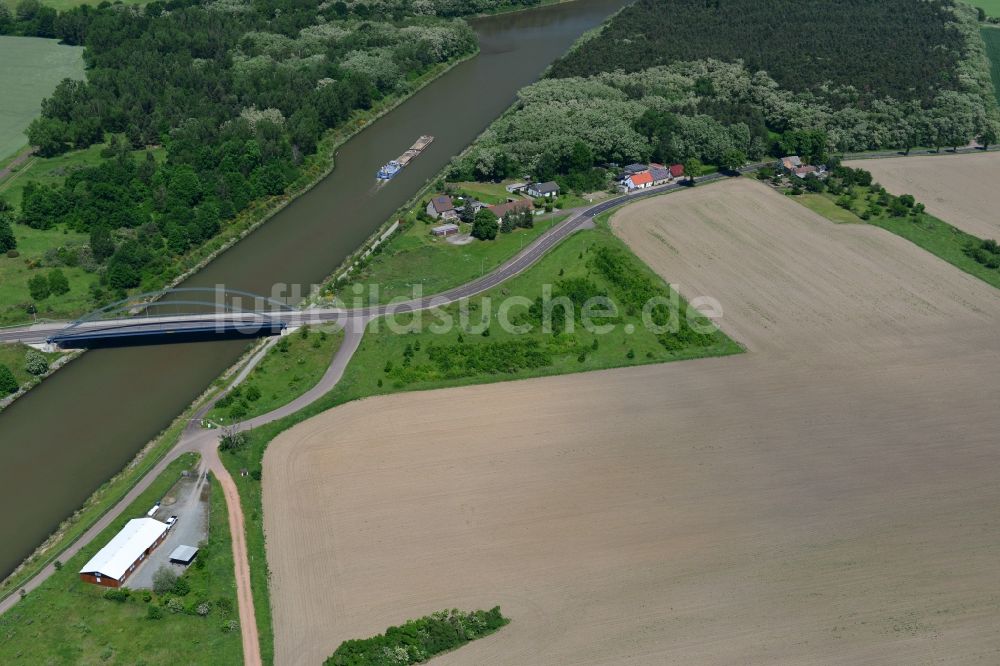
82,425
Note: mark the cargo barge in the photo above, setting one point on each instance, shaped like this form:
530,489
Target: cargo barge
393,167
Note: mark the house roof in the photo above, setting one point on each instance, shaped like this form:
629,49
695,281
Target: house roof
634,168
502,209
676,170
124,549
659,173
791,161
442,204
642,178
549,186
805,170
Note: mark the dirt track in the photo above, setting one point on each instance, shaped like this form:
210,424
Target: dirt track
960,189
828,498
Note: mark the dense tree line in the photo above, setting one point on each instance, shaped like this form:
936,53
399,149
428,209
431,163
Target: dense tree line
727,82
904,49
239,93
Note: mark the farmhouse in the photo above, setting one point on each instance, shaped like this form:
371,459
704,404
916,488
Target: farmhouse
639,181
548,189
441,207
511,207
789,163
445,230
119,558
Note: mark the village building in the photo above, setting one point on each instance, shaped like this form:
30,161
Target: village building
113,564
789,163
445,230
549,189
660,174
511,207
633,168
514,188
639,181
442,207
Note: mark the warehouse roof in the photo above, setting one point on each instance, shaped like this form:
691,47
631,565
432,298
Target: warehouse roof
114,560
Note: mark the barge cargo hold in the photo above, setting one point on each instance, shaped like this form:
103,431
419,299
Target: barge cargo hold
393,167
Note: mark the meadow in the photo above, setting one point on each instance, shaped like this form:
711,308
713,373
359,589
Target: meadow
31,69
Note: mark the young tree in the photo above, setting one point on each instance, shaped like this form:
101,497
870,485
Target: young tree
692,167
8,384
38,286
467,214
58,284
7,240
485,225
101,244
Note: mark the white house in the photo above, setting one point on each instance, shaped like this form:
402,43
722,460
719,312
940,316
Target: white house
548,190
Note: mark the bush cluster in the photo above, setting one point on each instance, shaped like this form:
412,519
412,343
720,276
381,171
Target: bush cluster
418,640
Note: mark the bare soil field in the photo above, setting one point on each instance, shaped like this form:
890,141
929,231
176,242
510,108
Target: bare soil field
960,189
829,497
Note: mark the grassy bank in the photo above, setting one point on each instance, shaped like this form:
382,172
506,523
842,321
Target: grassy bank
12,356
928,232
290,368
69,621
498,356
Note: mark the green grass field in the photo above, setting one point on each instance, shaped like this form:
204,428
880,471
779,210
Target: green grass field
991,7
992,38
67,621
290,368
31,69
415,257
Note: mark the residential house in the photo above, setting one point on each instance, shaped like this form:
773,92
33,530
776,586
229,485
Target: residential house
442,207
547,190
639,181
789,163
633,168
511,207
660,174
805,170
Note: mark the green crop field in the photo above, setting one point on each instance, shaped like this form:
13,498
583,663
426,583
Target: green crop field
992,38
991,7
31,69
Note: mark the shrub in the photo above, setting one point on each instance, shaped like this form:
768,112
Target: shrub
174,605
253,393
181,587
35,362
153,612
8,384
119,594
203,609
58,284
164,580
38,287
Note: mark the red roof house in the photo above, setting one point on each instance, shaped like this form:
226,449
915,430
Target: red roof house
639,181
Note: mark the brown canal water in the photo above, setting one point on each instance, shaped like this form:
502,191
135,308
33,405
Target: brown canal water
83,424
